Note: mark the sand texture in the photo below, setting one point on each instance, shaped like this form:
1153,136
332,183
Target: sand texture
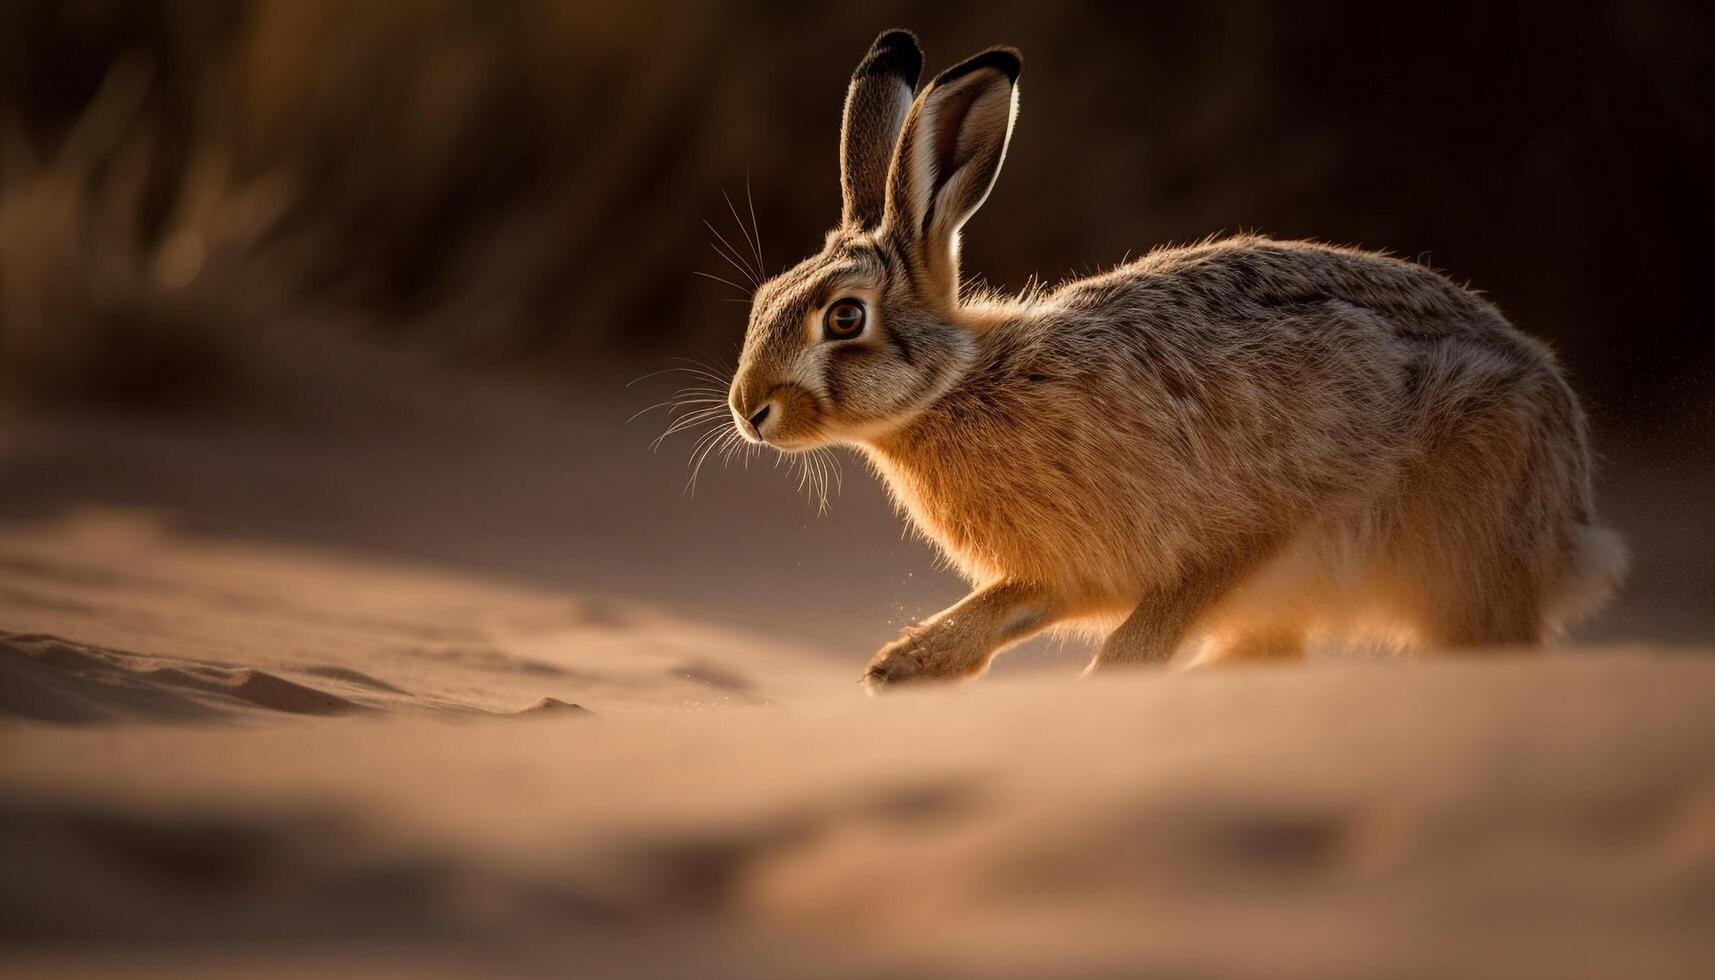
230,750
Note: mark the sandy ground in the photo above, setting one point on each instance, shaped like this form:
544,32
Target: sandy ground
275,703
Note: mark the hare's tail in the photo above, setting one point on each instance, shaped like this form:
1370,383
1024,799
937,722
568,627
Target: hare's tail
1598,567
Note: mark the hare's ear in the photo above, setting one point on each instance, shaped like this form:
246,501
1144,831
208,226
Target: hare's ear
880,95
947,159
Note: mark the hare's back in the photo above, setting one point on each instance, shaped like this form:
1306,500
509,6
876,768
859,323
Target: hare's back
1264,305
1243,279
1301,367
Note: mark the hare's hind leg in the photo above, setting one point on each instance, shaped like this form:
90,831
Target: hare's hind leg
1499,607
1476,547
1278,643
1150,635
1157,626
1456,574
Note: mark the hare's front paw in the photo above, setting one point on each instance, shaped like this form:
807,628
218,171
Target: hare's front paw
920,655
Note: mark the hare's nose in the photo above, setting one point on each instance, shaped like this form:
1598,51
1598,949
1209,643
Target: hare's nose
760,417
748,416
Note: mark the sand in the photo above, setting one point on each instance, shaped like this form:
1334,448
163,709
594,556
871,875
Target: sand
326,732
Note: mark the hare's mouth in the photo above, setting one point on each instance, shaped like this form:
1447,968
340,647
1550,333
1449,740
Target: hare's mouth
787,418
801,435
788,437
794,445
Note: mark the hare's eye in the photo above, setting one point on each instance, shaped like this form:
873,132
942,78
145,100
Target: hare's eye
843,321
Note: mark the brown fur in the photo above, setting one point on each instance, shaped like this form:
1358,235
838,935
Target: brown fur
1248,443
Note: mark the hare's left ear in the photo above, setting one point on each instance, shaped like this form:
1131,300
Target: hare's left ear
876,103
948,157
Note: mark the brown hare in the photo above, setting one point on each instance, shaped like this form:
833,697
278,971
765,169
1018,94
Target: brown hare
1227,449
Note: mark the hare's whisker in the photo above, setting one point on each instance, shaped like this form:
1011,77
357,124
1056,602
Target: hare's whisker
819,483
656,374
743,231
750,202
687,401
729,282
656,443
711,369
704,440
687,423
702,389
705,371
700,415
729,447
731,253
732,250
707,443
743,270
676,403
692,421
644,411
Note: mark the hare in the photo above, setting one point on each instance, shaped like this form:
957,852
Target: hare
1224,450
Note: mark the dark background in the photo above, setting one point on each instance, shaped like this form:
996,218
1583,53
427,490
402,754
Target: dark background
206,208
526,182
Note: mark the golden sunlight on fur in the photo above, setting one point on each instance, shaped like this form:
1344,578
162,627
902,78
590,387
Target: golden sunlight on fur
1244,442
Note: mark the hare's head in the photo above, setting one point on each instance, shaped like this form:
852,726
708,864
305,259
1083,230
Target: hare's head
852,342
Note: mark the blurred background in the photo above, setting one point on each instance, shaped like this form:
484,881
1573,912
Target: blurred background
393,276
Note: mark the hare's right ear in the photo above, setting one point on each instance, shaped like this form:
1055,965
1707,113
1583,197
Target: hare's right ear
880,95
948,157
